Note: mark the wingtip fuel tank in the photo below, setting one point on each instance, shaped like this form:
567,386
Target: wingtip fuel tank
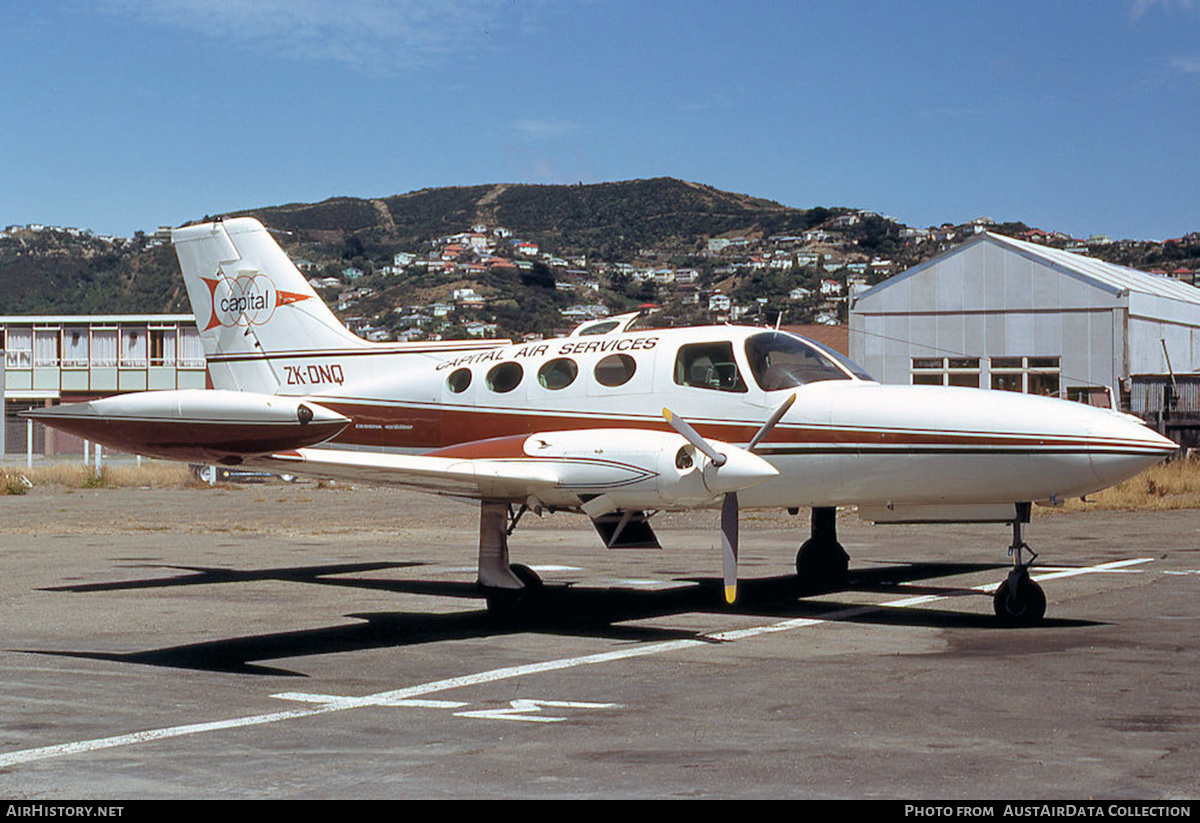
213,425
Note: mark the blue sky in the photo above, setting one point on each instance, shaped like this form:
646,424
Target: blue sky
1081,116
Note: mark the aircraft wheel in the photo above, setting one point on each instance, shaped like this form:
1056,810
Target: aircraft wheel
822,567
1024,607
511,604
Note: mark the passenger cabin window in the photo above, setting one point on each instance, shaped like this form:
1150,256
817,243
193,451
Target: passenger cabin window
781,361
505,377
709,366
615,370
459,380
558,373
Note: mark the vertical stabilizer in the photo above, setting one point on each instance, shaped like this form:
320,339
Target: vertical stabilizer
250,303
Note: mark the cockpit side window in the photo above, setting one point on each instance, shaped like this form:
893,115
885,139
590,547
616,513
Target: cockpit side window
709,366
781,361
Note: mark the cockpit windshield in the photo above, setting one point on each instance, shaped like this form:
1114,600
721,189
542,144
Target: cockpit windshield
783,361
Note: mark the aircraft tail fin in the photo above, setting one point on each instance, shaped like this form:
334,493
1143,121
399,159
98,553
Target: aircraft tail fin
251,303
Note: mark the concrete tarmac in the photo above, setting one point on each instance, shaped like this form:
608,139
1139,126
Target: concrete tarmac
288,641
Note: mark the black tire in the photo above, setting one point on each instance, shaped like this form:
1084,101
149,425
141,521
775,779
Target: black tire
526,575
515,604
1026,608
822,567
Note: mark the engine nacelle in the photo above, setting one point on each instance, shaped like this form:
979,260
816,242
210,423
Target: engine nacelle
641,469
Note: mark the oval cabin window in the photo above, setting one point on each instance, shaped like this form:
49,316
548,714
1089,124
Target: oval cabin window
505,377
558,373
459,380
615,370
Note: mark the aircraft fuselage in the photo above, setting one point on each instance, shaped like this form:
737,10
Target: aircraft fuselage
845,440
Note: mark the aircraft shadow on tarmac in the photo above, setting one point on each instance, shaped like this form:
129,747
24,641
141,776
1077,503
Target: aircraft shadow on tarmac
561,609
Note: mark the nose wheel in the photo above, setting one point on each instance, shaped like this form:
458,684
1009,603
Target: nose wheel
1019,601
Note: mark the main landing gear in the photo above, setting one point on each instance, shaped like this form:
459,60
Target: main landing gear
511,589
1019,601
822,565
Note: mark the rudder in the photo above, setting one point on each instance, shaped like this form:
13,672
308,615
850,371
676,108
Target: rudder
251,302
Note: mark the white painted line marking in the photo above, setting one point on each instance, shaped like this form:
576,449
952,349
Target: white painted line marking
529,711
1039,573
327,704
1117,566
541,568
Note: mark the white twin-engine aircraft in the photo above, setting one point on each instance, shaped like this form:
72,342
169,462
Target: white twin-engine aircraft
614,423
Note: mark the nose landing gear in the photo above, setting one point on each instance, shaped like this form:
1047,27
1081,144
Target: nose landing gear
1019,601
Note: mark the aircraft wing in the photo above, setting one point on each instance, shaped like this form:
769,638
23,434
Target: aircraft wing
598,470
472,478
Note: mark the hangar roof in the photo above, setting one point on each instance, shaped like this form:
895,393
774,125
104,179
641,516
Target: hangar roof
1109,276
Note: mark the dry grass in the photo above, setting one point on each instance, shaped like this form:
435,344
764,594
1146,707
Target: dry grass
72,475
1173,485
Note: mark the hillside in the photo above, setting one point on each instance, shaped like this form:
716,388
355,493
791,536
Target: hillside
610,220
517,259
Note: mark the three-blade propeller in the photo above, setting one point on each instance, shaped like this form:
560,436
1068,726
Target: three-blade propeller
729,476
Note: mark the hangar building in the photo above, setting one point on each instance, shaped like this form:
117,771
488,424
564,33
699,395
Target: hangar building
1005,314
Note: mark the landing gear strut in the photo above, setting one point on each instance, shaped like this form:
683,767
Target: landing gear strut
822,565
510,589
1019,601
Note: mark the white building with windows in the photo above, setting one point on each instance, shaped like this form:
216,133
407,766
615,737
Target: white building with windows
1005,314
51,359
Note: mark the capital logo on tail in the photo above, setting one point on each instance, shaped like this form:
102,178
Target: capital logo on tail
247,300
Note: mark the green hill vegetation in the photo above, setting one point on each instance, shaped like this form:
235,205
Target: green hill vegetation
606,247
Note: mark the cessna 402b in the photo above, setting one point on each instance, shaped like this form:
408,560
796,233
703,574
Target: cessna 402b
613,423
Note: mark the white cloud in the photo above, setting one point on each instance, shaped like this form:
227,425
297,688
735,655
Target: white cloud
1141,7
544,129
1186,63
379,35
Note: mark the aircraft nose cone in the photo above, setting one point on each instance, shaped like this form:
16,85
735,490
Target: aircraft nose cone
1121,446
741,470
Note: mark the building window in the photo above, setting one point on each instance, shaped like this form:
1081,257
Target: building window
75,347
18,348
162,347
1029,375
46,344
192,349
133,348
104,347
946,371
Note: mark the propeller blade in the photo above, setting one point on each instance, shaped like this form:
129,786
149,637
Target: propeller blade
729,544
692,436
775,417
